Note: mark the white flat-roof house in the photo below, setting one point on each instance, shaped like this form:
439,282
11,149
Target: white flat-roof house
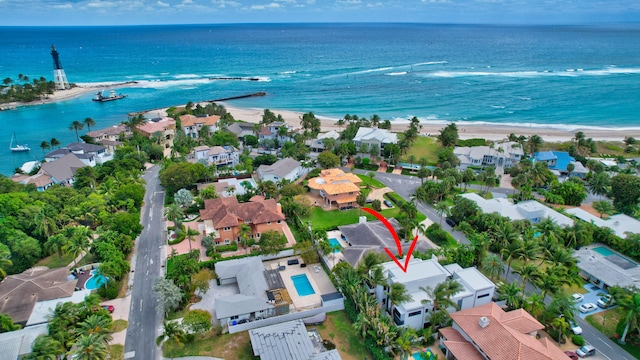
503,154
216,155
525,210
621,224
476,289
374,136
317,144
283,169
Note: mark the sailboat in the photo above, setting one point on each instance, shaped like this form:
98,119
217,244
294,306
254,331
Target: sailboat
17,148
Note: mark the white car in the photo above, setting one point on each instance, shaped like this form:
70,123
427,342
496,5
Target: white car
577,297
575,328
587,308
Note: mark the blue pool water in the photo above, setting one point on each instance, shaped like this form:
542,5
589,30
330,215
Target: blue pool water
603,251
95,281
335,244
416,356
302,284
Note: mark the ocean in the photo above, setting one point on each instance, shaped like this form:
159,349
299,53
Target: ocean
558,76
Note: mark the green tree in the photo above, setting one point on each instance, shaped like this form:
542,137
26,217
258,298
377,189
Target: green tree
45,348
197,321
599,184
245,232
534,143
629,301
449,135
397,294
89,122
168,294
6,324
603,207
492,266
56,243
76,126
272,242
328,160
175,213
440,299
625,190
511,293
78,243
90,347
181,175
55,142
44,146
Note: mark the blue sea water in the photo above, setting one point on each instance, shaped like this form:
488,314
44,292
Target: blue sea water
562,76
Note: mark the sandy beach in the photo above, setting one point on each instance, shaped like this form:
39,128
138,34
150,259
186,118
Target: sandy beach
61,95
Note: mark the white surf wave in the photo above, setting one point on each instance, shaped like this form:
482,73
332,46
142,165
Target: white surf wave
397,73
532,73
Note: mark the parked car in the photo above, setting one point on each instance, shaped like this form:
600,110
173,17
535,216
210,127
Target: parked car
572,355
109,308
587,308
577,297
450,222
606,301
575,328
586,350
388,203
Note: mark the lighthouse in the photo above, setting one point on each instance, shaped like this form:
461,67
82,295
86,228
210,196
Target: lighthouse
59,76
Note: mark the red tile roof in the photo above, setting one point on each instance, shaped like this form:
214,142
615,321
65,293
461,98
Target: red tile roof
507,335
227,212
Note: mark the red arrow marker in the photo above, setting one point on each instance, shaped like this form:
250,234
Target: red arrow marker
397,240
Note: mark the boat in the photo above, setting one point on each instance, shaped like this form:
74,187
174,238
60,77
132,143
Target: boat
112,96
17,148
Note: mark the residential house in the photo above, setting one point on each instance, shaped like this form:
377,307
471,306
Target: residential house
257,299
192,124
165,126
530,210
18,343
59,171
557,162
112,133
20,292
621,224
374,136
373,236
283,169
216,155
317,144
605,268
499,155
336,188
488,332
241,129
230,186
223,216
289,341
270,132
416,313
89,154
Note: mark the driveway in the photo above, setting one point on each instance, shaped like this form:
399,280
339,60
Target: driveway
593,294
208,299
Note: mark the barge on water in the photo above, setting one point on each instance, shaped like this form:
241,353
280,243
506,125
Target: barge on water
112,96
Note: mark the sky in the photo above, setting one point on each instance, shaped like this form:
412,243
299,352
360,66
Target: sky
143,12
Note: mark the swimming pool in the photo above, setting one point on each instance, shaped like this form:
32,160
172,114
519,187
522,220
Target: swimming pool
428,355
335,244
603,251
95,281
302,284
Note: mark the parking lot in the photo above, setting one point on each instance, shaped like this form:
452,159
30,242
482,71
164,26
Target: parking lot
593,294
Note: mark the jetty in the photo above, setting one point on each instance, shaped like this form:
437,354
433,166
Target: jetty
260,93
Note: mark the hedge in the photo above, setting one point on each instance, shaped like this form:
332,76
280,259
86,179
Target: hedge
233,246
438,236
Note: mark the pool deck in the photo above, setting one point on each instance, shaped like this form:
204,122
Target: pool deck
82,278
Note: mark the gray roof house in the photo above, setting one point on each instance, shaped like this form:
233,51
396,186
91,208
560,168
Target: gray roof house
371,236
241,129
606,268
371,136
89,154
317,145
284,169
621,224
288,341
526,210
16,343
501,154
64,169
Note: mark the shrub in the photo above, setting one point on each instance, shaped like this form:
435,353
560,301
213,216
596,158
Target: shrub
376,205
231,247
109,290
577,340
437,235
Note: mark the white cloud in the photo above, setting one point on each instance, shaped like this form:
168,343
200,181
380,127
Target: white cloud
224,3
350,2
100,4
63,6
265,6
375,5
436,1
162,4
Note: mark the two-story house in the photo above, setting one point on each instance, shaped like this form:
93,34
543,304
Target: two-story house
336,188
271,131
59,171
374,136
192,124
164,126
416,313
223,216
317,144
216,155
283,169
504,154
89,154
488,332
112,133
558,162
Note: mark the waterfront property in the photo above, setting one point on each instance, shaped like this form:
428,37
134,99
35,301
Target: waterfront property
289,341
60,171
558,161
476,290
500,155
192,125
604,267
525,210
222,217
488,332
283,169
336,188
89,154
374,136
165,127
317,144
258,294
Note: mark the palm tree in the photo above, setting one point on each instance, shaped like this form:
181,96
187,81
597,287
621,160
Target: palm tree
56,243
45,348
508,253
97,324
561,325
172,331
405,341
397,294
599,184
54,142
534,143
90,347
511,293
369,260
44,146
244,232
504,234
175,213
440,297
528,272
78,241
492,266
442,209
629,302
77,126
89,122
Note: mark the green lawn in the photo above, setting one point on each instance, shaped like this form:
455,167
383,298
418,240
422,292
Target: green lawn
225,346
374,183
606,322
329,220
338,329
426,147
53,261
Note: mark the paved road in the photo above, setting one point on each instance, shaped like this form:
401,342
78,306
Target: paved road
405,185
144,319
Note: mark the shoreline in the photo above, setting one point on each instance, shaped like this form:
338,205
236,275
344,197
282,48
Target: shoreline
61,95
